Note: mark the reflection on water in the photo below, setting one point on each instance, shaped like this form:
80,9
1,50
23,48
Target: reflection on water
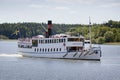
15,67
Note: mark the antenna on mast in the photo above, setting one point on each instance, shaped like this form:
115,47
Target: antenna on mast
90,31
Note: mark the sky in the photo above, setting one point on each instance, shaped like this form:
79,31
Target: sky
59,11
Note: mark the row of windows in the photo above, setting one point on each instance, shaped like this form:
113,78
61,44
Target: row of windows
51,41
47,49
75,39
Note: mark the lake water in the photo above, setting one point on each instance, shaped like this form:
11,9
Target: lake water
15,67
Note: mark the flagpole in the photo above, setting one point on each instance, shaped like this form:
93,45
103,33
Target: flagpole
90,31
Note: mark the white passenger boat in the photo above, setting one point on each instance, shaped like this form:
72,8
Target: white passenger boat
57,46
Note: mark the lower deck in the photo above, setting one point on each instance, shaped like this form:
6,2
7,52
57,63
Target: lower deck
92,54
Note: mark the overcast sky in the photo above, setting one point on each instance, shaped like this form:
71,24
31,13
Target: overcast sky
59,11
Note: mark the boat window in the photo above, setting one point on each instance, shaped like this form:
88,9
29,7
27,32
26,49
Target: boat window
63,40
40,49
34,43
73,39
57,40
51,49
60,40
45,49
45,41
42,41
48,49
35,49
54,40
50,41
39,41
71,49
60,49
25,45
54,49
57,49
81,39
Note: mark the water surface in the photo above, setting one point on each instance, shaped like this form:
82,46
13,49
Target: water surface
16,67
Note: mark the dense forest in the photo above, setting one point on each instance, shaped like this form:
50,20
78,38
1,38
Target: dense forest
101,33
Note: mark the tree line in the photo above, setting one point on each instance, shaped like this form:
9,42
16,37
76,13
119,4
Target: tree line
101,33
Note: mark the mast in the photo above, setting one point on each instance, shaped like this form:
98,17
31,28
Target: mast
90,32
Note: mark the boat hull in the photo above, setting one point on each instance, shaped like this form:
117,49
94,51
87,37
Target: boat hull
85,55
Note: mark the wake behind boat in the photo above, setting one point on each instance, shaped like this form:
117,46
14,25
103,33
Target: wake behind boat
57,46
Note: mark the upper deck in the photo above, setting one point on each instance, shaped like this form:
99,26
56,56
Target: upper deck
53,41
58,44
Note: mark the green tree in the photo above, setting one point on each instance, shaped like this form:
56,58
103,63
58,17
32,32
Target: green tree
109,36
3,37
101,40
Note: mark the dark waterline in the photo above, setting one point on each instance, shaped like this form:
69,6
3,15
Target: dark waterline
25,68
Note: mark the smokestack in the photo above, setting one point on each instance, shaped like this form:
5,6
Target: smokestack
49,28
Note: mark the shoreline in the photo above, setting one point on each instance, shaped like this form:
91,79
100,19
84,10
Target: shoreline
109,43
8,40
112,43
